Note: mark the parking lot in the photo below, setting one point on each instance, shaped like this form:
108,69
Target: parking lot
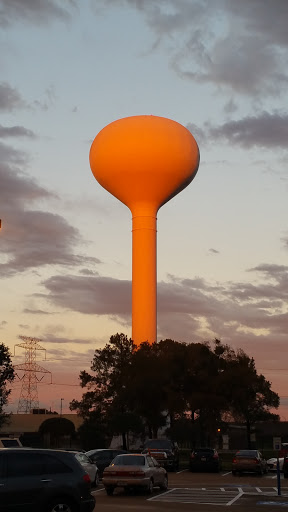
202,491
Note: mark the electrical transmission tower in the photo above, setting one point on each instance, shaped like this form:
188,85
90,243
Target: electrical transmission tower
29,393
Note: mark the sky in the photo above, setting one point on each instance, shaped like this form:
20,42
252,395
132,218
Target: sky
67,69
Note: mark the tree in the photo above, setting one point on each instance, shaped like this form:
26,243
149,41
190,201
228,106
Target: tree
132,388
108,387
6,377
249,394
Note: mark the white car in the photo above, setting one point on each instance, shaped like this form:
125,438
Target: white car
89,466
272,463
132,471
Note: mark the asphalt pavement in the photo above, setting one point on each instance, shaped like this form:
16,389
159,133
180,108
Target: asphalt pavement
202,492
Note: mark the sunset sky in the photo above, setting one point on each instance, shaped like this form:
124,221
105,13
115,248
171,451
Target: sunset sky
69,68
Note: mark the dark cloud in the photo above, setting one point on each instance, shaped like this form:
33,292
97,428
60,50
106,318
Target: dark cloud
31,238
213,251
238,46
36,312
15,131
10,99
186,304
90,295
41,11
51,338
265,130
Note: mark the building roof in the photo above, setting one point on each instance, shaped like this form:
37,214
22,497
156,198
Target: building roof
23,423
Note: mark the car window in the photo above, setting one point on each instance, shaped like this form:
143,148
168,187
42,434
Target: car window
53,465
129,460
23,464
155,462
100,456
10,443
81,458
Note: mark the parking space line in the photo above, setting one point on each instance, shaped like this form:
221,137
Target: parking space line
236,497
182,471
257,489
225,474
162,494
98,490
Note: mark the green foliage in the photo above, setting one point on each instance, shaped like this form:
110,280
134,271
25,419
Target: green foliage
6,377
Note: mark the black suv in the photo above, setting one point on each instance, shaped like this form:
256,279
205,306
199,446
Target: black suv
103,457
43,480
165,451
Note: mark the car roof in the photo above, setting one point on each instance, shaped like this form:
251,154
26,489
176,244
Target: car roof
107,450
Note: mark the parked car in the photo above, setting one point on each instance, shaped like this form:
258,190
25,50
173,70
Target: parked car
10,442
134,471
285,466
103,457
284,450
89,466
43,480
204,459
272,463
165,451
249,461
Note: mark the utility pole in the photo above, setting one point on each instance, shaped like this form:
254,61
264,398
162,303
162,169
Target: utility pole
61,400
29,393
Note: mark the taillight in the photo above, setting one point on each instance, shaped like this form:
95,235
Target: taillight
192,456
257,461
87,478
234,460
215,456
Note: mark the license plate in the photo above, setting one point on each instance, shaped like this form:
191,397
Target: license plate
203,459
121,483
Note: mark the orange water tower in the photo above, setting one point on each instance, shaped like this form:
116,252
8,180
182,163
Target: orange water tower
144,161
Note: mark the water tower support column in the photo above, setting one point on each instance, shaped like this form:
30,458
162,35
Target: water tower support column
144,278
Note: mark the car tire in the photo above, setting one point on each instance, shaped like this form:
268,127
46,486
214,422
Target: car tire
61,505
150,487
164,486
109,490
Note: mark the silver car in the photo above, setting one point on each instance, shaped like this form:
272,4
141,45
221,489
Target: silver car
89,466
132,471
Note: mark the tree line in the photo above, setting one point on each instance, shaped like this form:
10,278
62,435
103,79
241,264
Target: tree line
192,387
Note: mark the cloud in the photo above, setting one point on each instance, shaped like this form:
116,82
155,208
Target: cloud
41,11
16,131
10,99
90,295
190,307
31,238
241,48
265,130
36,312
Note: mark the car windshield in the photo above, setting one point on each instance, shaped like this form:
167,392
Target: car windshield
129,460
10,443
158,443
246,453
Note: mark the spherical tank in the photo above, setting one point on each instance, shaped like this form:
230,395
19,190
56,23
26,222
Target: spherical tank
144,160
